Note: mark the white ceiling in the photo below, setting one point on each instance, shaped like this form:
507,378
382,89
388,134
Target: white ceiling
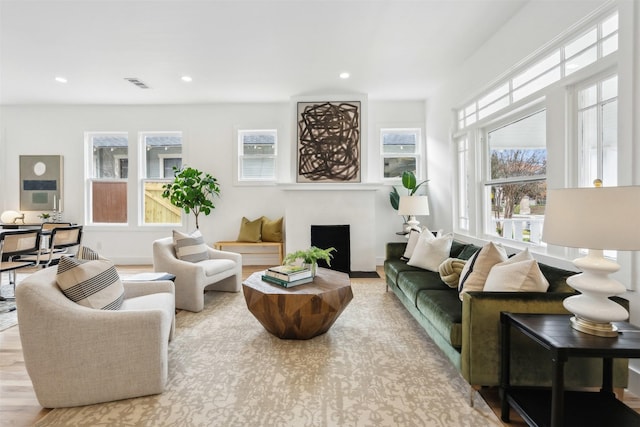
236,51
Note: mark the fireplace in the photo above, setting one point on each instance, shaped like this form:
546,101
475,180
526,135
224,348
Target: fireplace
355,208
337,236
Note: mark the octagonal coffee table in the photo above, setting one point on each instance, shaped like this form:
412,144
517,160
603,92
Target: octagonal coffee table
301,312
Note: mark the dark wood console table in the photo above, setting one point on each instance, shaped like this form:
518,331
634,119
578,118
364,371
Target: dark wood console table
557,407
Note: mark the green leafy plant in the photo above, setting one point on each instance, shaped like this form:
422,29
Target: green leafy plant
44,216
410,183
310,256
192,191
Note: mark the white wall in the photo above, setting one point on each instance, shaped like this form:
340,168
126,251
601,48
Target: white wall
208,144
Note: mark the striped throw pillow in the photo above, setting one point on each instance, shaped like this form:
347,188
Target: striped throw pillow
190,247
88,254
93,284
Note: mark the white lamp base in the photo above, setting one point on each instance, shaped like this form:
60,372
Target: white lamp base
413,223
593,309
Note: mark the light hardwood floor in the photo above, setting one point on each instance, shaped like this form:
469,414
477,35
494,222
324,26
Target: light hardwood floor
19,407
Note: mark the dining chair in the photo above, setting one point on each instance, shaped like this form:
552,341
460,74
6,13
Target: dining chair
13,244
62,241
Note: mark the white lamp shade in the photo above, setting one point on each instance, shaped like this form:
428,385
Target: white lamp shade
593,218
413,205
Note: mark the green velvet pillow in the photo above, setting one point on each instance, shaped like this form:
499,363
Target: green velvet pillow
250,230
271,230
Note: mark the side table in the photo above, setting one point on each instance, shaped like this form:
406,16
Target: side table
557,407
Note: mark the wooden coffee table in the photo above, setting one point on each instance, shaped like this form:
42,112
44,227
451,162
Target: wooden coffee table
301,312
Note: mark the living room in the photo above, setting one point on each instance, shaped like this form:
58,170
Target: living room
39,116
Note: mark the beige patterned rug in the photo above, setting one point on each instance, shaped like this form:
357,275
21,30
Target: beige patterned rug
374,367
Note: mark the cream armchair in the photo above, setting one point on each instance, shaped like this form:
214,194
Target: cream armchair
221,272
80,356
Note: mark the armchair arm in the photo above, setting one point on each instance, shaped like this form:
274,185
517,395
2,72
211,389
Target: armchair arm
395,250
218,254
137,288
480,361
480,364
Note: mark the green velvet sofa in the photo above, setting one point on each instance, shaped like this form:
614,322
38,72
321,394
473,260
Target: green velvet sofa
468,331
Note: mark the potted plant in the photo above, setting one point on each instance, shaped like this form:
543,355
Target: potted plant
192,191
310,257
44,217
410,183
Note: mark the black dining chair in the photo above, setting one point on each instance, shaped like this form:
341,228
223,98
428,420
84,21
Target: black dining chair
13,244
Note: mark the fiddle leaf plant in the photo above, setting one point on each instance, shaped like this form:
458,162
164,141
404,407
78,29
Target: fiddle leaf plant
410,183
192,191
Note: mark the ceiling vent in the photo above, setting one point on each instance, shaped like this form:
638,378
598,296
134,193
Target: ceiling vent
136,82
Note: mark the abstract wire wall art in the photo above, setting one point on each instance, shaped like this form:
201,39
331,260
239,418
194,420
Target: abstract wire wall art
329,142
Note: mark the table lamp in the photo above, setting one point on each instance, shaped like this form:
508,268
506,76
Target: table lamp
595,219
412,206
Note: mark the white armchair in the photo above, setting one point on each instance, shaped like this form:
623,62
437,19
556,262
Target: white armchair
77,355
221,272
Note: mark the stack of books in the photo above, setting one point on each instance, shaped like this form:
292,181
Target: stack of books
287,275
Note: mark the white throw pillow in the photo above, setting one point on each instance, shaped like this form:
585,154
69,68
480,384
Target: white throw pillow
476,270
414,235
516,276
93,284
190,247
431,251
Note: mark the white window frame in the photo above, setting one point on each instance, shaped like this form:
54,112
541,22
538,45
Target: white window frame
143,178
600,103
240,133
547,67
90,172
488,182
417,154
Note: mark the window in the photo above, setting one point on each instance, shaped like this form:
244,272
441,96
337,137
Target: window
596,42
463,182
400,151
597,106
515,189
161,154
107,174
257,155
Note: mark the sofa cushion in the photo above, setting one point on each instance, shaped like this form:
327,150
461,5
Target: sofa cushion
467,251
412,282
215,266
443,308
94,284
163,301
557,278
250,231
476,270
190,247
456,248
393,267
431,251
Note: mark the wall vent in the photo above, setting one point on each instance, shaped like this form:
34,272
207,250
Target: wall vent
137,82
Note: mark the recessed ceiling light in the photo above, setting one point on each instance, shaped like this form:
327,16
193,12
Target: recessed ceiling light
344,75
186,78
60,79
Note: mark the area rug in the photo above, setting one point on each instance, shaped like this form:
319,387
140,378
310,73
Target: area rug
8,315
374,367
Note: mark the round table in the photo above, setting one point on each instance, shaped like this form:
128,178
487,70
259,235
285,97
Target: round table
301,312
